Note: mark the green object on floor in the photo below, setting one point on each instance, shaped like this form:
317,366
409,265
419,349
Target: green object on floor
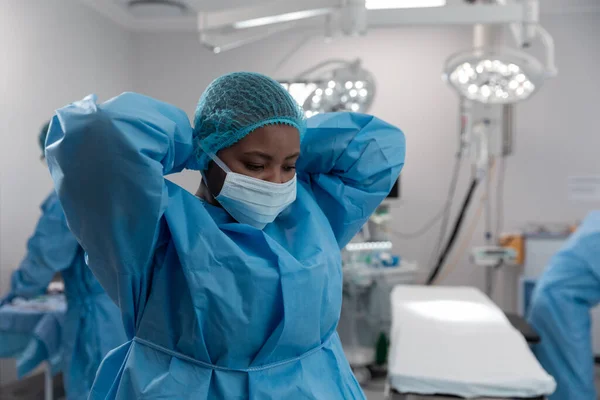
381,349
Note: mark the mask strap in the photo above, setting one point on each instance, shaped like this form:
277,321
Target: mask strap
216,159
206,183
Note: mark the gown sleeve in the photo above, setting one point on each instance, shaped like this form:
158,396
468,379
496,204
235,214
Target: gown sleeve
51,249
108,164
560,312
351,162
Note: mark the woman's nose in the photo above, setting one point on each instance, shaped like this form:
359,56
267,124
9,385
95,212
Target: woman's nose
275,176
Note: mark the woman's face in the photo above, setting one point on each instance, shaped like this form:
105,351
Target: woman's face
268,153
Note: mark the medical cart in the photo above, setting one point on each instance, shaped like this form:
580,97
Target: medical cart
366,316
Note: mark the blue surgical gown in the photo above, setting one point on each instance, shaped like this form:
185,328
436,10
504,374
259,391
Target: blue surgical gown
92,324
560,312
217,309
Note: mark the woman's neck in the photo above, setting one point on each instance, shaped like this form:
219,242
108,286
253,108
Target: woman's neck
204,193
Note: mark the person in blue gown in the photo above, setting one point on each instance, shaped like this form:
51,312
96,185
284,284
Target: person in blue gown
235,292
560,312
93,324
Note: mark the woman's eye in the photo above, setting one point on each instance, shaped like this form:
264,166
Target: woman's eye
289,168
255,167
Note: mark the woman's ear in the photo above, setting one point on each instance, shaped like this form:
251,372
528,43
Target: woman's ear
215,177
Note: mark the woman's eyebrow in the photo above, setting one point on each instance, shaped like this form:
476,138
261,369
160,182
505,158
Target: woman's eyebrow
268,157
259,154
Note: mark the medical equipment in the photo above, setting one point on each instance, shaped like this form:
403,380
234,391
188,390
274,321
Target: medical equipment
366,314
396,191
379,224
31,332
56,287
500,75
493,256
515,242
539,250
370,272
335,85
455,341
494,76
454,234
41,303
490,81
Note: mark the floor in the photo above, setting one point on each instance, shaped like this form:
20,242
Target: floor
32,388
374,391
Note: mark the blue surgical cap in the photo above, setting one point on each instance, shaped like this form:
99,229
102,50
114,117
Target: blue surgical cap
236,104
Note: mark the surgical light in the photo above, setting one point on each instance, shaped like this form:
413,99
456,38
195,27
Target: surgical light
388,4
489,76
348,87
301,91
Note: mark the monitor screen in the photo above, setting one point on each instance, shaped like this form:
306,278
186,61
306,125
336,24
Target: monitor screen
395,192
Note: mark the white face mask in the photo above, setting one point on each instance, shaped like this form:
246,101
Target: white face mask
253,201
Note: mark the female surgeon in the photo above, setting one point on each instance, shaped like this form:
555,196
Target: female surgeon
93,324
234,293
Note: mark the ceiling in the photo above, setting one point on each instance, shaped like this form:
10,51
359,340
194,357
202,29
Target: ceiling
172,19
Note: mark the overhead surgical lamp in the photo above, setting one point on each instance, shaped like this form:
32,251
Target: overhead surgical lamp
495,77
499,75
490,81
345,87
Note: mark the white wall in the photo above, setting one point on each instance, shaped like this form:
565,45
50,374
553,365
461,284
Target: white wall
53,52
555,130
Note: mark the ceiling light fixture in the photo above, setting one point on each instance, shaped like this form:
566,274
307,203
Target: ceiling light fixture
157,8
391,4
277,19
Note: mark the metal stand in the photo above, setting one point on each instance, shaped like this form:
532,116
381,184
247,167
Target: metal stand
48,387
